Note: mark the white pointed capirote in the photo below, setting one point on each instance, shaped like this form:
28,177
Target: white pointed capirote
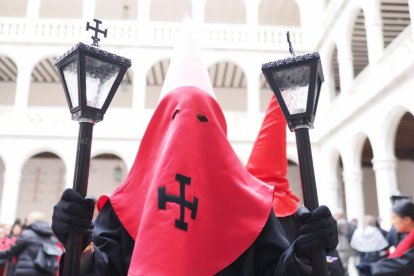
186,65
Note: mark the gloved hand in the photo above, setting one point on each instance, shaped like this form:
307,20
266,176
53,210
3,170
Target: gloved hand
72,214
318,230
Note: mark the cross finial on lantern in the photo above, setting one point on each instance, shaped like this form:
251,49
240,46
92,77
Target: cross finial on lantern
292,52
97,31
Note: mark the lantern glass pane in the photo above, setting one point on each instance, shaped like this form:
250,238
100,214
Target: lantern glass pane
100,77
70,74
293,84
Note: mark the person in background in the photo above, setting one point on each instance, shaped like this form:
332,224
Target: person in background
3,246
353,225
345,251
369,242
401,261
15,231
393,236
26,247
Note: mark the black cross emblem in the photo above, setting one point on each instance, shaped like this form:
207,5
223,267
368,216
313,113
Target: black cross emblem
97,31
163,198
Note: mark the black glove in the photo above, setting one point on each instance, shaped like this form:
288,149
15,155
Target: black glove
72,214
318,230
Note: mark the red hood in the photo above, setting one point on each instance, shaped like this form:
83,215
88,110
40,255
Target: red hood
232,205
268,160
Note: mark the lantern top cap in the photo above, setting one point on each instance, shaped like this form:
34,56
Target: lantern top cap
95,52
291,61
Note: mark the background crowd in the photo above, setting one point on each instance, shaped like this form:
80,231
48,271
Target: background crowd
375,251
362,249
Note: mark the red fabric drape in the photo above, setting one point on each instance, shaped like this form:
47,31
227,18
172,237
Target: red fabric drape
268,160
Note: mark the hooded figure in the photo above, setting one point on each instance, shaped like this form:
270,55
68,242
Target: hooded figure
187,206
268,162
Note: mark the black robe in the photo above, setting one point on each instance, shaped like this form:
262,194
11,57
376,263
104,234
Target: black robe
402,266
270,254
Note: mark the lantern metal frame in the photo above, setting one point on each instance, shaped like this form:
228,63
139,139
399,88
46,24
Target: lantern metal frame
304,119
79,53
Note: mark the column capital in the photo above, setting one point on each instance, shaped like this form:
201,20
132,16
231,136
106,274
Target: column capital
352,176
384,164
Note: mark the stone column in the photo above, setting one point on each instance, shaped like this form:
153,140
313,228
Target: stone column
25,66
143,10
329,194
411,9
33,8
346,70
311,20
354,194
252,7
386,181
198,10
88,10
10,193
139,86
253,91
373,25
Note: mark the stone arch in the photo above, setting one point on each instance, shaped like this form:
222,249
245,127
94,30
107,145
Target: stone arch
218,11
395,18
46,88
61,9
120,10
170,11
327,63
357,144
42,183
390,127
106,172
229,82
154,81
279,12
404,152
8,78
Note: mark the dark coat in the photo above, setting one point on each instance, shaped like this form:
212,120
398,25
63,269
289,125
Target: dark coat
27,246
270,255
402,266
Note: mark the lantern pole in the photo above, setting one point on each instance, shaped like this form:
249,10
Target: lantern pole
74,243
78,68
299,120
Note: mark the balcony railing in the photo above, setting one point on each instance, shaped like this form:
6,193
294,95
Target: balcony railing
127,33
